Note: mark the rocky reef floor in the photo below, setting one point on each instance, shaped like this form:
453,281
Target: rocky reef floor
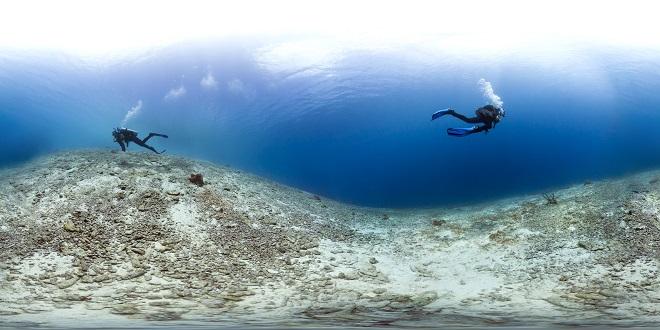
106,239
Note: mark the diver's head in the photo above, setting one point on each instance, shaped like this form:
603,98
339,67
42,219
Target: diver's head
116,133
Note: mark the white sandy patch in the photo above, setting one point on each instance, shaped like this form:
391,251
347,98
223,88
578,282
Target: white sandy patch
40,263
76,316
97,183
188,221
458,272
31,267
172,188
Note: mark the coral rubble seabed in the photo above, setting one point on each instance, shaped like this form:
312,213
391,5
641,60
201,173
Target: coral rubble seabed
126,236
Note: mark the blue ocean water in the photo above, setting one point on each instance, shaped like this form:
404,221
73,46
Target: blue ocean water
352,125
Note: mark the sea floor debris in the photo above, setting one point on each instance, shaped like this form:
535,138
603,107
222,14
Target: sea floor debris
85,237
196,179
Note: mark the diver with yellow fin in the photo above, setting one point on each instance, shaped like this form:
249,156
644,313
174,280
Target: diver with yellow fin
488,115
124,135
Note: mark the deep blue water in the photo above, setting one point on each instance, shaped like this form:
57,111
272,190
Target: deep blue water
352,125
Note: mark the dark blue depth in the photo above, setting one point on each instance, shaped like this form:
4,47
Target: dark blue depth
357,129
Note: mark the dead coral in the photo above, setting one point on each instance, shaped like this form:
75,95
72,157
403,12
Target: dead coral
500,237
196,179
438,223
550,199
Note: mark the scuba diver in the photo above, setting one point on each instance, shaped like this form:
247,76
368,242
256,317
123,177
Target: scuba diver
488,115
124,135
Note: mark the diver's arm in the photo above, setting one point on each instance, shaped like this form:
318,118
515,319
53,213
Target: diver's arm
121,144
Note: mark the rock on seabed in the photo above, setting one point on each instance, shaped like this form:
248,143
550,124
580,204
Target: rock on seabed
125,236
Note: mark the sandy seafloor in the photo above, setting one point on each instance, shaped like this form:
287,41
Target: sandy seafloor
109,239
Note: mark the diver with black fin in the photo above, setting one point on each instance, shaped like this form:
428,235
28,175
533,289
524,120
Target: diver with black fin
124,135
488,115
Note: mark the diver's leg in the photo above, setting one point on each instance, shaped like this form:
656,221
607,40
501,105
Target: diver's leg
466,131
153,134
472,120
482,128
144,145
149,147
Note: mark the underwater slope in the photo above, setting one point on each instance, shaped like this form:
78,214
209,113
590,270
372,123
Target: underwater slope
99,236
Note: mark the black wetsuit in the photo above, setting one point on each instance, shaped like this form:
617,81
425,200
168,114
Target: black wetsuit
487,115
123,136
